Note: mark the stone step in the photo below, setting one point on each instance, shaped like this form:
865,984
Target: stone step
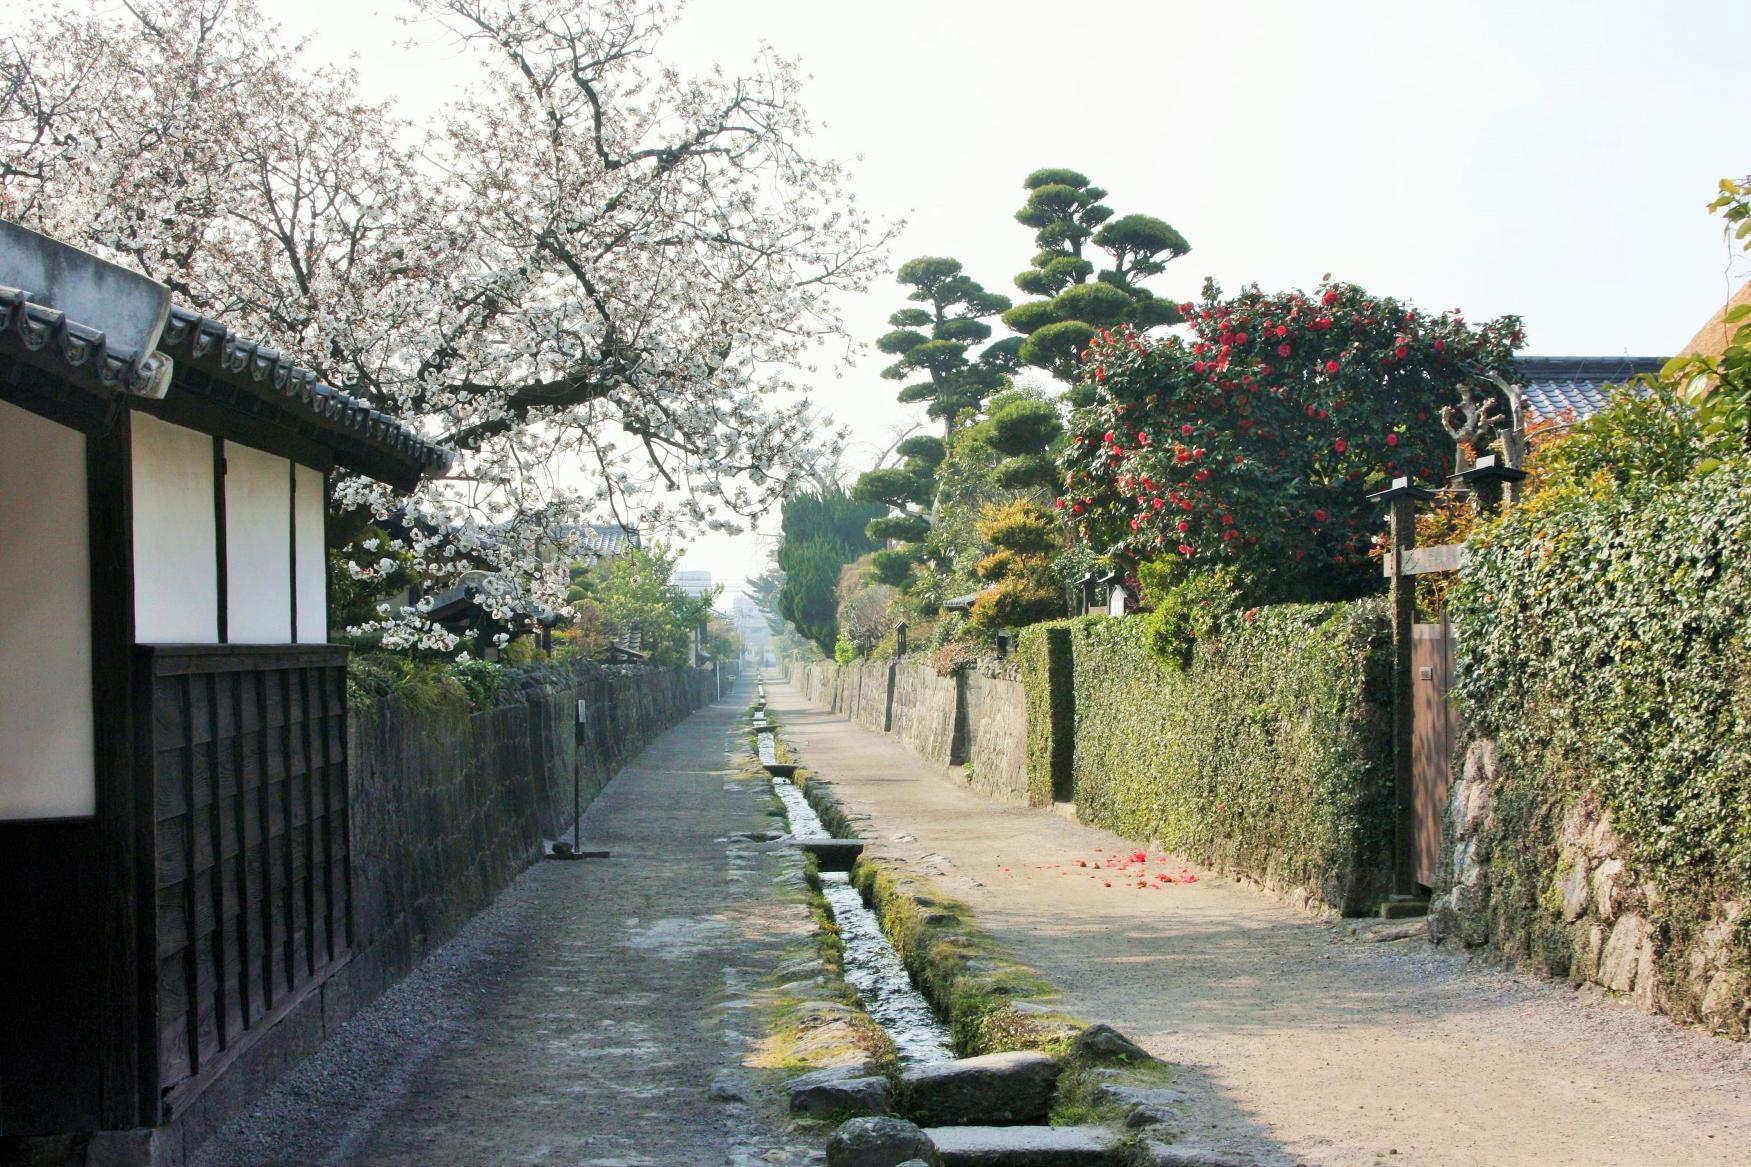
1028,1146
831,854
1009,1088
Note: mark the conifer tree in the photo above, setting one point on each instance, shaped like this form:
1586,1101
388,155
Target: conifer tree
1073,228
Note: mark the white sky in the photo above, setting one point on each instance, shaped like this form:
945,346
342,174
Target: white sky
1541,158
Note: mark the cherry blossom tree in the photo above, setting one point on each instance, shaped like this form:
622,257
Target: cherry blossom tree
593,276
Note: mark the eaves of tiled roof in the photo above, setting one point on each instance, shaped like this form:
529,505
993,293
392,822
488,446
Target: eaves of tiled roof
1553,386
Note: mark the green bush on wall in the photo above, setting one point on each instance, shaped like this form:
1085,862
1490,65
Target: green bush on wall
1604,647
1044,655
1268,753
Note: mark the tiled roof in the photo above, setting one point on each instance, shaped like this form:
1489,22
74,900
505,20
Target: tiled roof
1552,385
82,350
91,325
206,342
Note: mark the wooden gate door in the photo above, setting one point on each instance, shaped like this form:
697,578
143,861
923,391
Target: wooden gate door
1431,741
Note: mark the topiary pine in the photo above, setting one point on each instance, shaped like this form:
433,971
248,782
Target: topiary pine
1079,298
934,341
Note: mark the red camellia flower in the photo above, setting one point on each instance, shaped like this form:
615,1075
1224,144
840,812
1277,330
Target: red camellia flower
1392,439
1186,429
1283,350
1331,367
1182,526
1240,338
1319,516
1340,445
1059,503
1329,299
1401,352
1440,346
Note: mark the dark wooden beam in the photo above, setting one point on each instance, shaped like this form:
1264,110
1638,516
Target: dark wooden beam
123,815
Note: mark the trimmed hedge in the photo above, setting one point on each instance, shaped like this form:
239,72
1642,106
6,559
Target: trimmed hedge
1044,655
1269,753
1604,649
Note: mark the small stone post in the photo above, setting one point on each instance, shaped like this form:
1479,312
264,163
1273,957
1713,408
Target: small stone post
900,639
1402,497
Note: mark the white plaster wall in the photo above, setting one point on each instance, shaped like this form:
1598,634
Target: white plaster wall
47,751
258,546
312,573
176,587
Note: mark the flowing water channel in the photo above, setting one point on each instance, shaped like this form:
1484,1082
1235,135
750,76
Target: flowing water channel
871,964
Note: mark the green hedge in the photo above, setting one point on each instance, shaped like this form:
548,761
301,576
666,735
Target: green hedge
1604,646
1269,753
1044,655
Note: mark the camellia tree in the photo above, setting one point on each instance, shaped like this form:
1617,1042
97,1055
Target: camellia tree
1253,443
587,275
1073,227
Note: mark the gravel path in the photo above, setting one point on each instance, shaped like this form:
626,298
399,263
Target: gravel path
583,1017
1299,1042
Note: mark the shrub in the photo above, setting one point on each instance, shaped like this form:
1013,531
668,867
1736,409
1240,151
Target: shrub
1603,646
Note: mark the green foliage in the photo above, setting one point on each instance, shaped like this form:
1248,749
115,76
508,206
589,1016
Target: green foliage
893,567
820,534
844,652
1048,691
934,341
1022,527
1023,592
635,590
1605,649
1647,436
354,601
1068,218
905,528
1252,443
1189,611
1267,754
893,486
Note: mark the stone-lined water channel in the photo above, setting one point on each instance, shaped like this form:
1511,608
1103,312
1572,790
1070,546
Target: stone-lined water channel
871,964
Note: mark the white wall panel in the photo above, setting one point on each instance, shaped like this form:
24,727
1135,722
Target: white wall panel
312,555
47,752
176,586
258,546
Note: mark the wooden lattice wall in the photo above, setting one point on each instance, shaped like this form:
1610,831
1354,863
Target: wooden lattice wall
244,754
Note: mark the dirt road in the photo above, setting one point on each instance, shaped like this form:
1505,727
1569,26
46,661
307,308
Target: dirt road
1300,1043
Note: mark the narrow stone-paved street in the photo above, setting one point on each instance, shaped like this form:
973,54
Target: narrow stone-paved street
1298,1043
584,1017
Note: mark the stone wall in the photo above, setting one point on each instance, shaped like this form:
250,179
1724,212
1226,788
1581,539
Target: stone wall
1594,921
972,718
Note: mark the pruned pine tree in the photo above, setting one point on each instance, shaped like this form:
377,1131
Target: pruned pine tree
1089,271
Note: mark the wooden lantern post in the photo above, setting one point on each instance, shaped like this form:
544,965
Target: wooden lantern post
1402,497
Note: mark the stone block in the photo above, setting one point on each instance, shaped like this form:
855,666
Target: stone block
842,1091
1028,1146
1103,1043
880,1142
1004,1088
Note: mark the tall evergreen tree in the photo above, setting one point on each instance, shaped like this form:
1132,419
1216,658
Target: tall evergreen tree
821,533
934,341
1078,297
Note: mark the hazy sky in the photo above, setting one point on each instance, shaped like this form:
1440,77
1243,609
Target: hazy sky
1545,159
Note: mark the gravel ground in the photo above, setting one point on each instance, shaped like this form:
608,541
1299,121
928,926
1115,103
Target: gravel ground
1300,1042
584,1017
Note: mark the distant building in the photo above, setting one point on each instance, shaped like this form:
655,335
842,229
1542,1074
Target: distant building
751,624
694,583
